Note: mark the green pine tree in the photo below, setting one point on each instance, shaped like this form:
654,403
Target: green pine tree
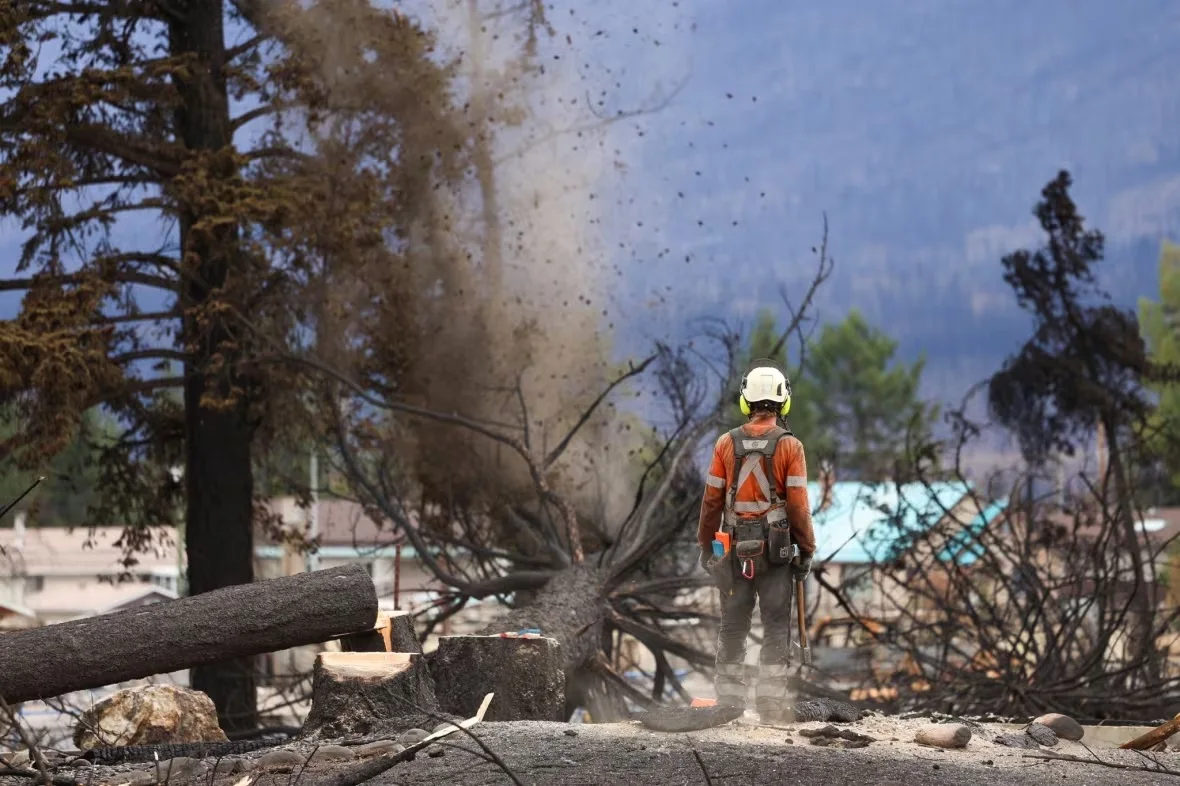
853,403
1159,326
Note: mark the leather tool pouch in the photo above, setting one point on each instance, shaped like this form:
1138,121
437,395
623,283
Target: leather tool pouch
724,572
779,549
749,549
750,544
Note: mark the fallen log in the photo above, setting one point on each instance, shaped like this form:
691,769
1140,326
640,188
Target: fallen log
232,622
364,693
1154,737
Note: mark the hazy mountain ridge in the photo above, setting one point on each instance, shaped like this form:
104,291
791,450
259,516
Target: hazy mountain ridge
925,130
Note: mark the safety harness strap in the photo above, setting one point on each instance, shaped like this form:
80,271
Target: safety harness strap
752,456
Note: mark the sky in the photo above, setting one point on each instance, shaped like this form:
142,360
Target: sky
923,129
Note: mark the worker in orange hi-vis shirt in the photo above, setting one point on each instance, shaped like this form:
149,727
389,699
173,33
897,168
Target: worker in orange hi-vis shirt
756,494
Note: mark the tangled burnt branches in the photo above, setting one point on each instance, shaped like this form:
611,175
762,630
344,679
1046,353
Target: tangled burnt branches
537,539
1015,605
1041,594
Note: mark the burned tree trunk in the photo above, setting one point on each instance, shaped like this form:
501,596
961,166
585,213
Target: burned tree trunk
234,622
217,422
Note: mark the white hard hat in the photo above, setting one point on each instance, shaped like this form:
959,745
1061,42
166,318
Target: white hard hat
765,383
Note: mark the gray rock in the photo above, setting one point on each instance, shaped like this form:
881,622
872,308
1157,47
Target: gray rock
140,778
944,735
149,715
1041,734
412,736
243,765
380,748
328,753
226,766
280,760
1063,726
441,726
181,768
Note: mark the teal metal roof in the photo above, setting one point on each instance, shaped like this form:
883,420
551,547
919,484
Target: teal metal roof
875,522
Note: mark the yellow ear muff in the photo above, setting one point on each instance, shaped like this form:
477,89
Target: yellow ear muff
786,407
743,405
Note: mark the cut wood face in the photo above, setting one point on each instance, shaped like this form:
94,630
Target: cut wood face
365,665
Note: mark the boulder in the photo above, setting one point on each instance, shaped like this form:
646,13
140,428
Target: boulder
525,674
149,715
944,735
1063,726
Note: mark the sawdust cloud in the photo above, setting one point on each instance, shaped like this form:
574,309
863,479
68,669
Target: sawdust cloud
509,264
535,236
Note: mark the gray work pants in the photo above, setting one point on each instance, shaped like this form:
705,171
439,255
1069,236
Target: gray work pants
773,588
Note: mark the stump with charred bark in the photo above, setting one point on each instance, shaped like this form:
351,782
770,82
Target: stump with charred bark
571,609
525,674
362,693
225,624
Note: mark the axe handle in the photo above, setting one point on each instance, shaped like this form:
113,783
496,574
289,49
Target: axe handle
802,605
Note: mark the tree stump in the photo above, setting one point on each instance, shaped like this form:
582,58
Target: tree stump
361,693
526,674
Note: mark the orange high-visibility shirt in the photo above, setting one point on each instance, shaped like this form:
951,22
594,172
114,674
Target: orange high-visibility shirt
751,499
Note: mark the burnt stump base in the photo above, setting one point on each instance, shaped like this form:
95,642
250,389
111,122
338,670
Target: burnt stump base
362,693
525,674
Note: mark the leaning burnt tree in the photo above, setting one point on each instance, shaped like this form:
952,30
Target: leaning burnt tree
168,232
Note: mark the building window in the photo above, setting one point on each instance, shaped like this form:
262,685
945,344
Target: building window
34,583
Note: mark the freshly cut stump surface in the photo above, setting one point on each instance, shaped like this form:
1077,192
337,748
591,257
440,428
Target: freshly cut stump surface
362,693
393,632
525,674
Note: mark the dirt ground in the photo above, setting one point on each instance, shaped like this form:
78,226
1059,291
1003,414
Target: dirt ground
628,754
737,754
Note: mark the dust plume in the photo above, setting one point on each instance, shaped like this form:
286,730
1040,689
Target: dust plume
504,262
531,231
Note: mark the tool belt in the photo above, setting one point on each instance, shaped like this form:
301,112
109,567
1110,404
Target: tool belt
757,544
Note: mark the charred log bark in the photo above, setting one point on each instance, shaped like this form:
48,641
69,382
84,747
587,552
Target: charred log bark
217,435
525,674
571,609
214,627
